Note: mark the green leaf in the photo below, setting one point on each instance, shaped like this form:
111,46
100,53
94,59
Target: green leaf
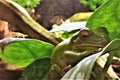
0,53
115,46
108,15
92,3
23,52
84,68
38,70
28,3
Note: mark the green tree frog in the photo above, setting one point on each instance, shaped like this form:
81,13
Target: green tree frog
72,50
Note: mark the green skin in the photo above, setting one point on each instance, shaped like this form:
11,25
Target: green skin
72,50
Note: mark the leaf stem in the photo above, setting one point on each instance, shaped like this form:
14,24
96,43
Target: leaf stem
106,66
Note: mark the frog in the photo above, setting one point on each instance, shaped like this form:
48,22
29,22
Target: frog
72,50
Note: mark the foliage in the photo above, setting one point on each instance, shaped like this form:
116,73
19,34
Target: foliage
37,70
35,54
22,52
28,3
107,16
93,4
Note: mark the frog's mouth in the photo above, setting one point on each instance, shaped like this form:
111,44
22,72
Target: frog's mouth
90,45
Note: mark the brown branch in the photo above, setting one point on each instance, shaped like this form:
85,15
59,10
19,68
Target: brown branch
18,16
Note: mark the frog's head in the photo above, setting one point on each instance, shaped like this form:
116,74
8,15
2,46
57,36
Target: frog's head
91,39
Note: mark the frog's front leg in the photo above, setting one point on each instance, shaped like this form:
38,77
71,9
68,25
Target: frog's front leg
57,72
71,57
54,72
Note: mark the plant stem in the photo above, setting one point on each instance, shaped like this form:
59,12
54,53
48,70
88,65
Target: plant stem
106,66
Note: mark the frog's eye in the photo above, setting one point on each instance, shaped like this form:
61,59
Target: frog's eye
85,33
